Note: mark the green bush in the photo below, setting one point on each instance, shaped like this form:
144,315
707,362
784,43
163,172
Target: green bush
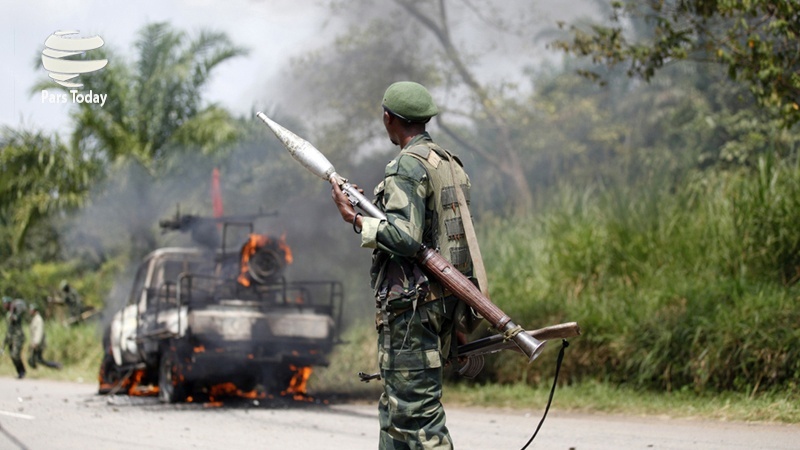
674,288
766,212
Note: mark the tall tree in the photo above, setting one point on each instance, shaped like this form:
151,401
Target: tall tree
155,105
39,175
423,46
155,112
756,40
505,156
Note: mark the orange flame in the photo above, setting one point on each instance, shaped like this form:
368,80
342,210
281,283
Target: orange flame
286,250
135,389
298,385
230,390
255,242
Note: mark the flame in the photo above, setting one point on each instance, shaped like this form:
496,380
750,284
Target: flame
101,381
286,250
200,349
230,390
222,389
297,389
255,242
136,389
298,384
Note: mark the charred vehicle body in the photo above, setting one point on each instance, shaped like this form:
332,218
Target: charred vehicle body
198,317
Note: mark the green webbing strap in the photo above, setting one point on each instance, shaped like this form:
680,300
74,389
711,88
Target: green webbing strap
564,345
386,332
469,233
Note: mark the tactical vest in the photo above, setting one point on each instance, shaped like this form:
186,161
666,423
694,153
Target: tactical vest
445,222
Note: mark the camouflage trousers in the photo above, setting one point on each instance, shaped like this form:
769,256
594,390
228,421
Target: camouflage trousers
410,355
36,358
16,340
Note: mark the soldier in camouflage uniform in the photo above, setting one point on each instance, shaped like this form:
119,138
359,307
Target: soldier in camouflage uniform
73,301
417,317
15,336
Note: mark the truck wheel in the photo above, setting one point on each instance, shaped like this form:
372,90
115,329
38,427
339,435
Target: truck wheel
276,378
171,388
109,377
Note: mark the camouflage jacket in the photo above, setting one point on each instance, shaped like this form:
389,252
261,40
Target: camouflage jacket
15,320
407,196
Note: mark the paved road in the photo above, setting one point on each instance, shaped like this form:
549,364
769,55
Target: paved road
43,414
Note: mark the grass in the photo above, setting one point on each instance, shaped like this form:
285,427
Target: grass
358,354
595,397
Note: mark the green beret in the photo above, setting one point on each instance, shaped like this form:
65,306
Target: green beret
410,101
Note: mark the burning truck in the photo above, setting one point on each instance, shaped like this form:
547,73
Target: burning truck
207,316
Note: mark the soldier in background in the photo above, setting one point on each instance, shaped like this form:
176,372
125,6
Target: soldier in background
15,336
73,302
38,341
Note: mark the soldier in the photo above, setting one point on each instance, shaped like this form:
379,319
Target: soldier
417,317
38,340
15,336
73,302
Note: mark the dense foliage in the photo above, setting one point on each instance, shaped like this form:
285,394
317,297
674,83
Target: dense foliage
757,41
673,289
42,176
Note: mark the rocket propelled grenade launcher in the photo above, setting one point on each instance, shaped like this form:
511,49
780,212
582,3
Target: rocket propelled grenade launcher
313,160
435,265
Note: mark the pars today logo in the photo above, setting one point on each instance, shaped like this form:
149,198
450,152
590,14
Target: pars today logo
59,46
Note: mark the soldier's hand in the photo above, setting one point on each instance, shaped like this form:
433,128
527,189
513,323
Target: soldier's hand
342,203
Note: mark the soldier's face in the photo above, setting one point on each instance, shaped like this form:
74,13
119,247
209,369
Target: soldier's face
388,120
